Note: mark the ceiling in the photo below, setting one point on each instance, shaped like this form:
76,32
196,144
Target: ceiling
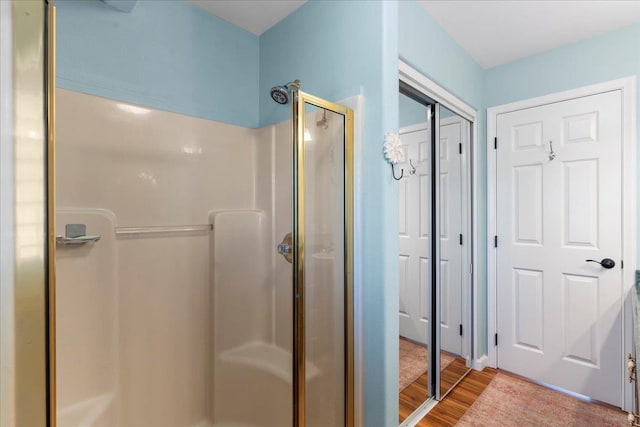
496,32
256,16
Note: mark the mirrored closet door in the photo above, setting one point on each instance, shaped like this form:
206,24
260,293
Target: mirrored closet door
415,255
434,273
454,210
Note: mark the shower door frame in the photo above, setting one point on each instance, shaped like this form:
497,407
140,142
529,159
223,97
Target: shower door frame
29,282
299,100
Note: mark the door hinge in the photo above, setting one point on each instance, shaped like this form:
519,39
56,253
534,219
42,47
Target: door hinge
461,239
496,340
495,241
495,143
460,148
621,263
460,329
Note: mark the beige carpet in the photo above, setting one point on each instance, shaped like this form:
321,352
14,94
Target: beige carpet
413,362
512,401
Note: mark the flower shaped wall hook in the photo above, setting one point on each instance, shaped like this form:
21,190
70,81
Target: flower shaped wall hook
393,152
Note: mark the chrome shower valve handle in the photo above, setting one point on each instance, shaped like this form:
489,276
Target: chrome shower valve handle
285,248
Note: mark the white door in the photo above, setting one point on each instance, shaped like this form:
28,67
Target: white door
450,235
559,316
414,239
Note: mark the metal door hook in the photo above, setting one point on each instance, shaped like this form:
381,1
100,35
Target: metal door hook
413,168
393,173
411,172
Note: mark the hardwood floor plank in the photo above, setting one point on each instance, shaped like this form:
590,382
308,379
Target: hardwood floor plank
451,374
454,405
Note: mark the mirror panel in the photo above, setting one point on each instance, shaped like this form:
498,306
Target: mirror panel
434,297
415,255
454,215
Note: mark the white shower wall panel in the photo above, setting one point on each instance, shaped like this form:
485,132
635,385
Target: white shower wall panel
88,324
152,341
275,154
150,167
165,330
241,283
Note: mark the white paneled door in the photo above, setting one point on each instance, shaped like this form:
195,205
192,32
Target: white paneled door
415,237
450,235
559,198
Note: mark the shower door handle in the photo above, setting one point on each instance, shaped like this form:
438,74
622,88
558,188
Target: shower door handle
285,248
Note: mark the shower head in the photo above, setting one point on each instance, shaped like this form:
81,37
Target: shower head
280,94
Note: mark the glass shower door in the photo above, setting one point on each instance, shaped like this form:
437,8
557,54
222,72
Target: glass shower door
323,306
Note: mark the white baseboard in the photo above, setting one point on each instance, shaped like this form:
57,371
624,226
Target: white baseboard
480,363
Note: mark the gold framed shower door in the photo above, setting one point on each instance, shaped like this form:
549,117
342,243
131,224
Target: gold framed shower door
299,101
31,395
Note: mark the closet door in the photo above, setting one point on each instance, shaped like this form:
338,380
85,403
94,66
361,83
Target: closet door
559,208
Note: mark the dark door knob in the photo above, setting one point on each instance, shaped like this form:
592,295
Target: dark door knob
605,263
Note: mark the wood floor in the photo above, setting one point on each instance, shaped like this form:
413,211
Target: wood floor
451,374
415,394
453,406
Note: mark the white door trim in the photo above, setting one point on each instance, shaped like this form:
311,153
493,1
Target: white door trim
417,80
627,86
414,128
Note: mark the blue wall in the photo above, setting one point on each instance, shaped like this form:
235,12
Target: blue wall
429,49
337,50
606,57
168,55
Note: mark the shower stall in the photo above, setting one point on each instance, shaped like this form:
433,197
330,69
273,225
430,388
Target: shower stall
201,271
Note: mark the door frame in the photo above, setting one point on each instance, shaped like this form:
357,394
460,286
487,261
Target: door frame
627,86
